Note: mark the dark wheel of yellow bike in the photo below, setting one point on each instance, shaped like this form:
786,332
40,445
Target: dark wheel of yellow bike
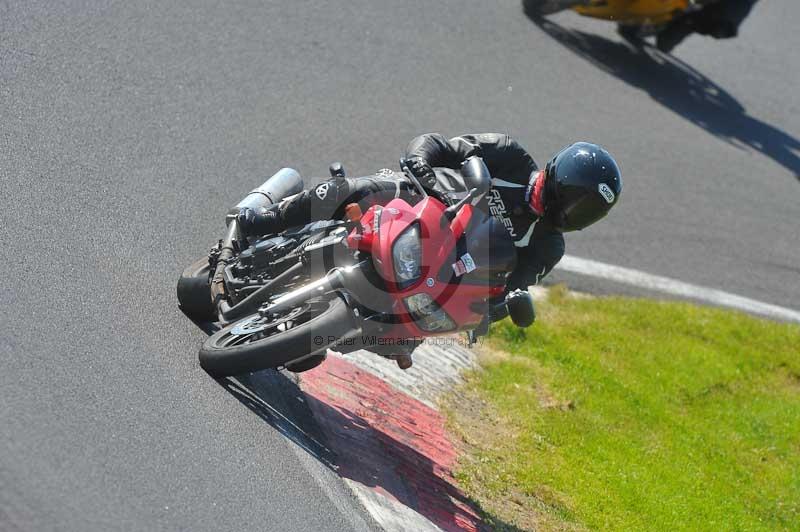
539,8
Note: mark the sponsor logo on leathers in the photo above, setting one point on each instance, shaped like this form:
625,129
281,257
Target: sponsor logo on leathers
498,209
322,191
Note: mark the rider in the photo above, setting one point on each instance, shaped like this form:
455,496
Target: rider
577,187
720,20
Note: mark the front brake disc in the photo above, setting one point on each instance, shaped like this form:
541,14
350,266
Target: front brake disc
260,323
250,326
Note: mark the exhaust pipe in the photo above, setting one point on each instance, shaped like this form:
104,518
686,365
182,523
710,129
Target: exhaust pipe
284,183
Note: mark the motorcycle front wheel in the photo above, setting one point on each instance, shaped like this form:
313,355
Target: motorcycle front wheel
255,343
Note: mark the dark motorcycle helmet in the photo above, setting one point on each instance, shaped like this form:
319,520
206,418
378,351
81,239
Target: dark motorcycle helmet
582,183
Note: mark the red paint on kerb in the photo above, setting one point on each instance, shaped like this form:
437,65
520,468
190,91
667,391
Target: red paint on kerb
389,441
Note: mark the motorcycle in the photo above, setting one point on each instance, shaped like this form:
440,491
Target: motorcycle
637,19
380,280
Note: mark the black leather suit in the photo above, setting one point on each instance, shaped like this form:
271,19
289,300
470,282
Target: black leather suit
539,245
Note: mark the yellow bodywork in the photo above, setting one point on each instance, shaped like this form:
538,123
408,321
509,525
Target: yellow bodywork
639,12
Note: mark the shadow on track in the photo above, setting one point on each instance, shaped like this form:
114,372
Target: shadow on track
682,89
277,399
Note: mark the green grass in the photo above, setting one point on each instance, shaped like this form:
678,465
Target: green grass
617,413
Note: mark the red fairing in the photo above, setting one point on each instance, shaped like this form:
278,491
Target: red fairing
461,221
361,238
464,303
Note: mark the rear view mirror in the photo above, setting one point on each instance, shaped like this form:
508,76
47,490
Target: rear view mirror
478,182
476,175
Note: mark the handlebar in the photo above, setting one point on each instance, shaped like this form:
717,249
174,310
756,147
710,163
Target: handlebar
475,172
411,177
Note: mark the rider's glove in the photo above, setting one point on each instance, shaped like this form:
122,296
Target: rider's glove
257,222
422,171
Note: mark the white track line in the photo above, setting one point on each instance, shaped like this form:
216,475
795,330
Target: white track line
674,287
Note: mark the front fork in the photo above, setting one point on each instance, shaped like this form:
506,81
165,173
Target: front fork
333,281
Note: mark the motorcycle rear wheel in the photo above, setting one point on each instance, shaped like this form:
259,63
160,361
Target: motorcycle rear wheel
254,343
194,292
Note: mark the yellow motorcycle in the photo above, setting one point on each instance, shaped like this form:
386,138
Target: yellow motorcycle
643,13
636,19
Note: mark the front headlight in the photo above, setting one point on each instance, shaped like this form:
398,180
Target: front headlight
407,257
428,315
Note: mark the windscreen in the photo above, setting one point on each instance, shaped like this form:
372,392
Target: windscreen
490,251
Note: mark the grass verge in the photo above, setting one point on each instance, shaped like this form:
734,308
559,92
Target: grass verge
618,413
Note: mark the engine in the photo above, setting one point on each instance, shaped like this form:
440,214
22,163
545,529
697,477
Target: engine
259,258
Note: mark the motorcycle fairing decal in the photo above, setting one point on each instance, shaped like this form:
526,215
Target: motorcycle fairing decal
498,209
464,265
376,221
469,263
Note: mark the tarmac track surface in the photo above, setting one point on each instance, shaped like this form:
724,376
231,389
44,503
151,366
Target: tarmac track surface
126,131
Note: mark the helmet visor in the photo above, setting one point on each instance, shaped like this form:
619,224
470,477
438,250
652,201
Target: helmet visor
582,212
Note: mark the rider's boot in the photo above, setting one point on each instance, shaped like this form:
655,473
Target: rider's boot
318,203
259,222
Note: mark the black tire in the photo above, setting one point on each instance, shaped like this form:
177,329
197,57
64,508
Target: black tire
326,320
540,8
194,292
